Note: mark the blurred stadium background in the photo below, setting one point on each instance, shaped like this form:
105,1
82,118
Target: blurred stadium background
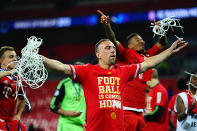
70,28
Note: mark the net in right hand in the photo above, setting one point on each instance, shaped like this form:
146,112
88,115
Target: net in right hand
161,27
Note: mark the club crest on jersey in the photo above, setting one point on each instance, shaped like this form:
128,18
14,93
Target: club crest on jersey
6,81
113,115
7,91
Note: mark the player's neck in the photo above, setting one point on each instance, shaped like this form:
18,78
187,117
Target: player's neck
104,66
141,52
5,68
154,83
193,90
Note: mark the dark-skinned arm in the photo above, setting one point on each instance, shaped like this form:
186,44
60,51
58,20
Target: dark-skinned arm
105,20
155,60
162,42
181,111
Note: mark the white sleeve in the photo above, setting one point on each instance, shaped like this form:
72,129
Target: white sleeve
73,71
183,96
137,70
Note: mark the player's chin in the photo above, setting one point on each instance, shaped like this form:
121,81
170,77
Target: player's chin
12,66
112,61
141,50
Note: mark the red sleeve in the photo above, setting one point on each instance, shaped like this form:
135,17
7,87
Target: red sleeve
121,49
121,53
172,103
154,50
147,75
78,72
131,71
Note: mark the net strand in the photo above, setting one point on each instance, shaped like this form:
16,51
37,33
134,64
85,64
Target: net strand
163,26
190,83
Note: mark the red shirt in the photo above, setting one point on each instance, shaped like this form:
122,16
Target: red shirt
103,90
137,87
173,114
158,96
7,97
172,103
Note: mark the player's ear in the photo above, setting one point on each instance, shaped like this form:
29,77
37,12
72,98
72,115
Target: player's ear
148,83
97,55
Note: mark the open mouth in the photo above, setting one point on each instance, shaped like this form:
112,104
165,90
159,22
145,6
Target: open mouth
113,56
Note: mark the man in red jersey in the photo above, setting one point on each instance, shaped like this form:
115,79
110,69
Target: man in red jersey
133,106
157,116
182,86
9,121
103,84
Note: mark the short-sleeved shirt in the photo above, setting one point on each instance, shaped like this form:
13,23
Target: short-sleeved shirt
173,114
134,95
7,96
172,102
158,96
103,89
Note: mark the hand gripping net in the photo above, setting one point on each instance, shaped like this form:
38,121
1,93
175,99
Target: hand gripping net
163,26
190,82
30,67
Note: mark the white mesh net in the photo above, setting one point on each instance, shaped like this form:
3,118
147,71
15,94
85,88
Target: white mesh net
30,67
162,26
190,83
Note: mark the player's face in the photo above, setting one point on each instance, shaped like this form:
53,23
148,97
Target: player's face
136,43
7,58
107,53
194,81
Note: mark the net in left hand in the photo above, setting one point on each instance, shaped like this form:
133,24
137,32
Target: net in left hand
30,67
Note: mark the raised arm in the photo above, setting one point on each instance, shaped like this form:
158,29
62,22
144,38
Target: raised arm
155,60
162,42
7,73
57,66
105,20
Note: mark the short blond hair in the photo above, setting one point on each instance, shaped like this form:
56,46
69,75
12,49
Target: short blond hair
3,49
